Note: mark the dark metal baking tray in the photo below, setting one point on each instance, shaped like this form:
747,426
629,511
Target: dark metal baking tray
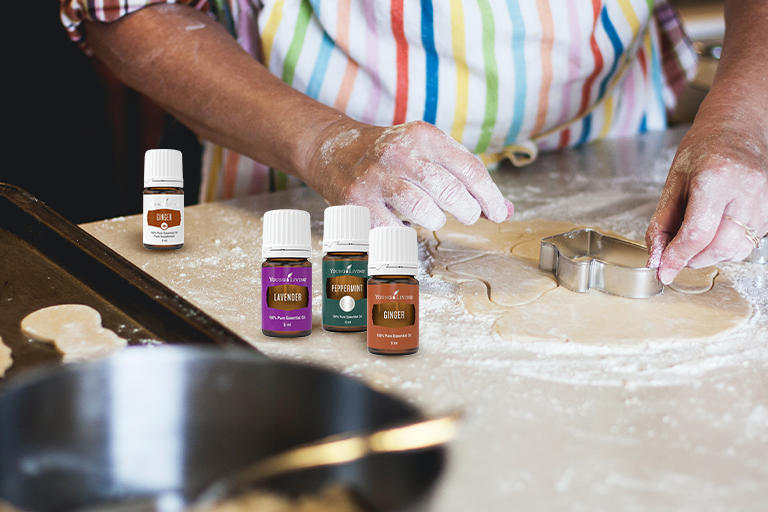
46,260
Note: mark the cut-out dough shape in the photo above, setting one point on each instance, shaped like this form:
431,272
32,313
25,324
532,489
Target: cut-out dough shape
529,284
474,295
695,280
598,318
5,358
440,269
483,237
75,330
558,313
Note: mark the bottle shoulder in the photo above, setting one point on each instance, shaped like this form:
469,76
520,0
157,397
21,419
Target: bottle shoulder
351,256
393,280
286,262
164,190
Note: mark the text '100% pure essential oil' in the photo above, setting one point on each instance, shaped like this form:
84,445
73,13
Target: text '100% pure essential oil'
393,292
286,274
345,268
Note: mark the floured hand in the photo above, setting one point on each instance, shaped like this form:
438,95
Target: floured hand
719,175
413,168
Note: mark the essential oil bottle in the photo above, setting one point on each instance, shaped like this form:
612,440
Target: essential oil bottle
345,268
286,275
163,199
393,292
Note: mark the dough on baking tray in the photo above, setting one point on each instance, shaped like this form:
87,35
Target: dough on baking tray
504,281
75,330
5,357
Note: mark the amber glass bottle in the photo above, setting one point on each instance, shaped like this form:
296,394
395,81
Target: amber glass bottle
345,268
393,292
163,200
291,325
286,274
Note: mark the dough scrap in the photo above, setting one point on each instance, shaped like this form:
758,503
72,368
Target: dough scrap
483,237
529,284
506,284
440,269
695,280
75,330
5,358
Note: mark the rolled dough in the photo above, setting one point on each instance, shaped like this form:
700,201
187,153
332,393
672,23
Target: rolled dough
698,280
602,319
5,358
483,237
75,330
504,281
529,283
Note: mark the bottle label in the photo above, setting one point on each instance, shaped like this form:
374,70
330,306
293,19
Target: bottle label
286,301
393,317
163,219
345,293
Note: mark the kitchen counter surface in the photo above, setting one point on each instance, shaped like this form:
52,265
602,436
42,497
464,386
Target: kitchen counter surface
549,426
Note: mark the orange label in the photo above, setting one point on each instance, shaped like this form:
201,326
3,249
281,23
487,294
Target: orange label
164,218
393,317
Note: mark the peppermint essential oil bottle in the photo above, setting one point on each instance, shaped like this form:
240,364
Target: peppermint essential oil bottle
345,268
393,292
163,199
286,275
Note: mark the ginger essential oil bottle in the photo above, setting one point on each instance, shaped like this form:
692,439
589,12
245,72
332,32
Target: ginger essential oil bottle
286,275
345,268
393,292
163,199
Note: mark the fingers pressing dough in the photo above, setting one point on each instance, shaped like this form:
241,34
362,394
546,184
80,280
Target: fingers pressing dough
75,330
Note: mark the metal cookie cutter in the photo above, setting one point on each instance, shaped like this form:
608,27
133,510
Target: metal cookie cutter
760,254
585,259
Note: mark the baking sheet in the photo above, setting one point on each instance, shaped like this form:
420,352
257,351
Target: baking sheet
46,260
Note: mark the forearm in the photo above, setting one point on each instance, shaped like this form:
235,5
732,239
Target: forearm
191,66
738,98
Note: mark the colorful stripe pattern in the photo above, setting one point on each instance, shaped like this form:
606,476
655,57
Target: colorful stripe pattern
491,73
488,72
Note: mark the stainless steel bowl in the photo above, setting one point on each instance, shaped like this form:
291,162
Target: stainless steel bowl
166,422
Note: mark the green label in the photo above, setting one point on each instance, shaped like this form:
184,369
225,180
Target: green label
345,294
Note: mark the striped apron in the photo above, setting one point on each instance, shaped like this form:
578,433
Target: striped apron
506,78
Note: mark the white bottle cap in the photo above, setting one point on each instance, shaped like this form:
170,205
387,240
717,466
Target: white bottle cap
393,252
286,234
346,229
163,168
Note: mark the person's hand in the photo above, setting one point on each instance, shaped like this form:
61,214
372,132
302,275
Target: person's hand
716,195
414,169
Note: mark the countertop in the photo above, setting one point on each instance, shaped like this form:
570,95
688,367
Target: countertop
549,426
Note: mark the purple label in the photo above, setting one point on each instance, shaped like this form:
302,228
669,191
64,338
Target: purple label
286,298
